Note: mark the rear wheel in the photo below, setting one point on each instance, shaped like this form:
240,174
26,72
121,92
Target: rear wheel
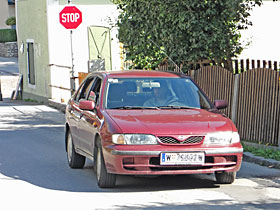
225,177
104,179
74,159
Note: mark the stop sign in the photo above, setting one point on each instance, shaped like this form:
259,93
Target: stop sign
70,17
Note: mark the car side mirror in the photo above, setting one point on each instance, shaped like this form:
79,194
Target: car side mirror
220,104
87,105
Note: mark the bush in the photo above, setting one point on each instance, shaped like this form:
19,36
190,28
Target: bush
8,35
11,21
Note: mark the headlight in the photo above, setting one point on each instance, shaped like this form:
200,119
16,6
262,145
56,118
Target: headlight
134,139
221,138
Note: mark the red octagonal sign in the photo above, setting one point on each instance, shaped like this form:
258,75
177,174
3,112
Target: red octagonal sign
70,17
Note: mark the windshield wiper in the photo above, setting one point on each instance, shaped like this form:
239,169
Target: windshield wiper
176,107
134,107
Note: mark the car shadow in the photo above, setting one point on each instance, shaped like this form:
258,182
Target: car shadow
39,158
167,182
128,183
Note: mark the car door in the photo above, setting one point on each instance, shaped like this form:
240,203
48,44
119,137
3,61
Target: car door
76,112
74,115
90,122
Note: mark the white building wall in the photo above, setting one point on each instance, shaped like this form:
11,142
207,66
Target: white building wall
60,44
6,11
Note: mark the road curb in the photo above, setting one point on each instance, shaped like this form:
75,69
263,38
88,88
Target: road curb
57,105
249,157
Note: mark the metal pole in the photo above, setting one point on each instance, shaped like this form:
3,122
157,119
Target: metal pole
1,98
235,98
279,135
72,78
279,117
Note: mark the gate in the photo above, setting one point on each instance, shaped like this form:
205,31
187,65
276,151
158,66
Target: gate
99,40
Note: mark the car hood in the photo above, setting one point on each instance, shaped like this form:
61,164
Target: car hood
162,122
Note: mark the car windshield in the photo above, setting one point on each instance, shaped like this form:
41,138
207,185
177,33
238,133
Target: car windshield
154,93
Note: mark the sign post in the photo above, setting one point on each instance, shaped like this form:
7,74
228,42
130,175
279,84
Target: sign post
71,17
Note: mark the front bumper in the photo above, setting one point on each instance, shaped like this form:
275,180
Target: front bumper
148,162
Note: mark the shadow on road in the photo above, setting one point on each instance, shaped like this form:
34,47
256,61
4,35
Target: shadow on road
32,150
215,204
37,155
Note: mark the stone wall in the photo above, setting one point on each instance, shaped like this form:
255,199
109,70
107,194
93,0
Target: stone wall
9,49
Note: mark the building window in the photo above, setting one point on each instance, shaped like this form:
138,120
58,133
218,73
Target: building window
30,63
11,2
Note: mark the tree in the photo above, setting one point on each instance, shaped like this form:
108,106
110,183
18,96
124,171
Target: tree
185,30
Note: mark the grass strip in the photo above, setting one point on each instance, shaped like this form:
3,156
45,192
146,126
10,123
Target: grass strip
265,153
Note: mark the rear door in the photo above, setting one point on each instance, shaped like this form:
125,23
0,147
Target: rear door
74,116
76,112
90,122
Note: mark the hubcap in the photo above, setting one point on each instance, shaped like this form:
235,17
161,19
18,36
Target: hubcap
69,148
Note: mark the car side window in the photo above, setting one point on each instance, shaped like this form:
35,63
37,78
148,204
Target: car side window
83,93
78,93
95,91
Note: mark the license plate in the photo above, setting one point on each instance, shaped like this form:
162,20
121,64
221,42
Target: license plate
194,158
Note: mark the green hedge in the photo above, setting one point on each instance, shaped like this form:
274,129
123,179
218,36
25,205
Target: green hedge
8,35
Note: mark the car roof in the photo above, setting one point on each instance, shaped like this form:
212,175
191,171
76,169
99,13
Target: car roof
140,73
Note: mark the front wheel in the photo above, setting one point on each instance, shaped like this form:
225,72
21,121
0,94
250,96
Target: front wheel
104,179
74,159
225,177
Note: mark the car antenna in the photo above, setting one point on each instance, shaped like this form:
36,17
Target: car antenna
166,54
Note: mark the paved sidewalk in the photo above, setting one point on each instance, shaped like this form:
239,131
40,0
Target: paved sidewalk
9,74
36,110
8,66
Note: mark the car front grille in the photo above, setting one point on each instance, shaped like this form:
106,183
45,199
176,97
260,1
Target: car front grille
189,140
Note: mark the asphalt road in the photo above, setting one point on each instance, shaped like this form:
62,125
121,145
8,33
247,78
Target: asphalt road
34,175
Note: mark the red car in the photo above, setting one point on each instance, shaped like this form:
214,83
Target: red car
149,123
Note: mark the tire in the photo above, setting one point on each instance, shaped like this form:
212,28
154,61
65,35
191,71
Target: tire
74,159
225,177
104,179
